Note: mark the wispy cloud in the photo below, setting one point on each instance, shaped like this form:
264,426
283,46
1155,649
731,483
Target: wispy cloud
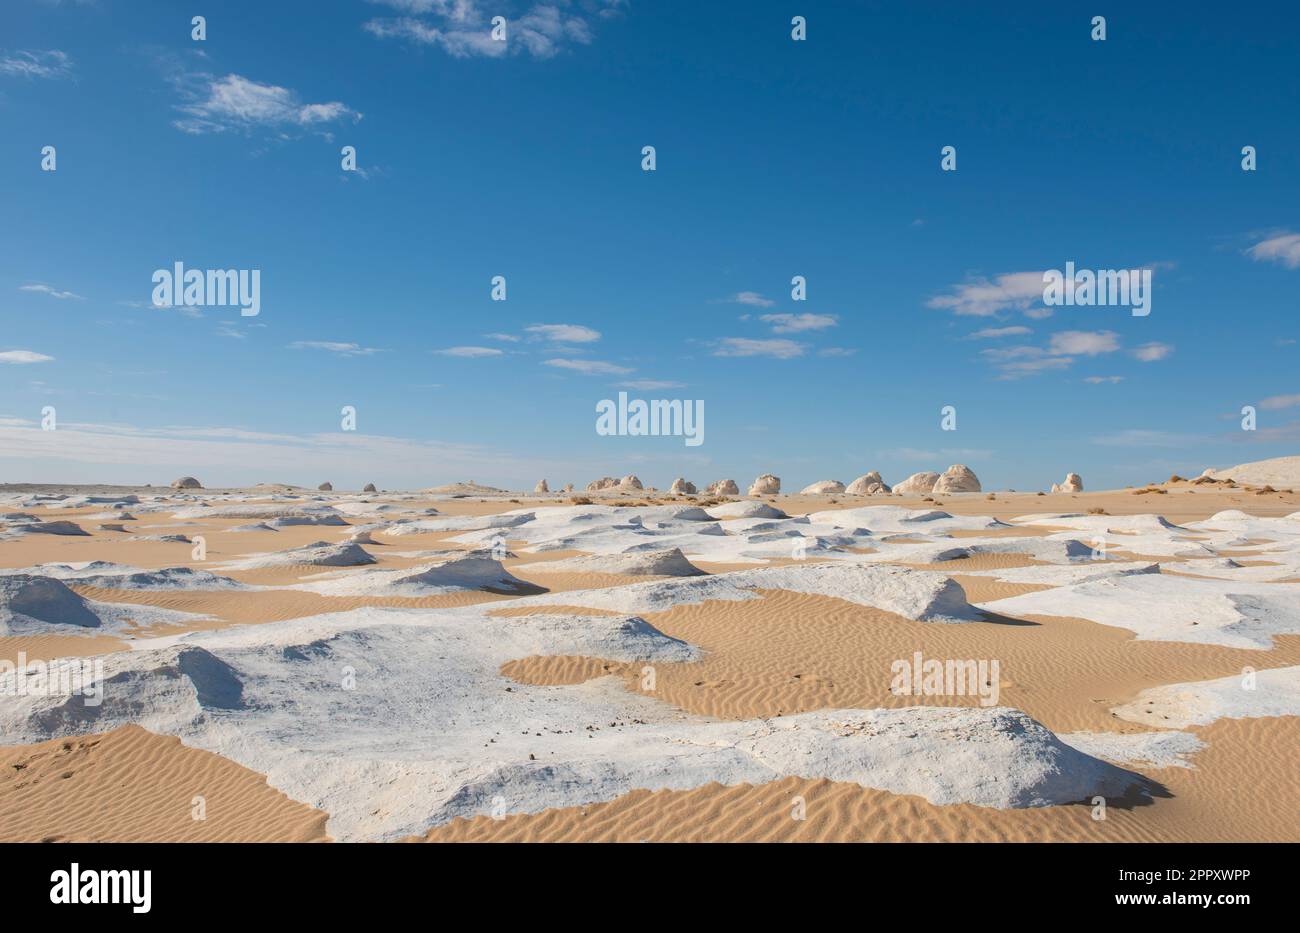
1083,342
589,367
505,338
1151,352
837,351
776,348
1100,380
1283,247
48,290
753,299
21,357
1020,291
1138,437
564,333
649,385
795,323
1274,402
992,333
469,352
342,349
236,103
464,30
47,64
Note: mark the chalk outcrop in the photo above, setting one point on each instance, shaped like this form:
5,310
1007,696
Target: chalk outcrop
918,484
822,488
682,487
541,487
868,484
325,487
957,478
369,487
765,485
722,487
186,482
1073,483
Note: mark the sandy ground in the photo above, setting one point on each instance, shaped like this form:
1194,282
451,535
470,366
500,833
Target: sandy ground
782,654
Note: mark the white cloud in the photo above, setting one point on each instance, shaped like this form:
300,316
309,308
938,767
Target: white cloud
47,290
1099,380
775,348
50,63
234,102
837,351
1283,248
1083,342
1150,352
464,30
982,298
589,367
990,333
650,385
1136,437
505,338
754,299
469,352
794,323
23,356
564,333
1274,402
342,349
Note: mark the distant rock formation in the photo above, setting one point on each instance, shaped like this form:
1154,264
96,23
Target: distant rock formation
325,487
723,487
369,487
868,484
918,484
957,478
822,487
541,487
1073,483
186,482
682,487
765,485
608,482
568,487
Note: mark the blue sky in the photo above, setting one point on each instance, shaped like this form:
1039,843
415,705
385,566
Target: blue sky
775,158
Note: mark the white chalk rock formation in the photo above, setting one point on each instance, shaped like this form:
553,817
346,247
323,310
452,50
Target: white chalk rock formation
722,487
369,487
318,554
541,487
682,487
1073,483
868,484
669,563
822,488
765,485
957,478
186,482
630,482
325,487
918,484
600,485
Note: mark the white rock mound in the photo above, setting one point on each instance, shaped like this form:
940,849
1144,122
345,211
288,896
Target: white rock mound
722,487
317,554
918,484
957,478
765,485
186,482
541,487
452,576
1073,483
369,487
1279,472
682,487
669,563
822,488
868,484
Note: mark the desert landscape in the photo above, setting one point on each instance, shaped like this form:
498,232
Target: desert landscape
922,661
